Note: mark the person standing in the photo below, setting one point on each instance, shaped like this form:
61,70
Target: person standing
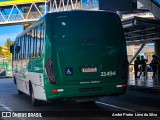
136,67
143,66
154,65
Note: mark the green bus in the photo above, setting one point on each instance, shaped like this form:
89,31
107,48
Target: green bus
77,55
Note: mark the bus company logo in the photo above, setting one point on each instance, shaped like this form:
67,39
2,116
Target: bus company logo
6,114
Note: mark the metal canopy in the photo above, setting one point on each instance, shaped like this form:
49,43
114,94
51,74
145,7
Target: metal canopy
141,30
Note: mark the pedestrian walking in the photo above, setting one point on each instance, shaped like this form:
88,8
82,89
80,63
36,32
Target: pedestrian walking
143,66
136,67
154,65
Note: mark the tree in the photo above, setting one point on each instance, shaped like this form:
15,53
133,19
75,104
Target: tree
1,51
8,43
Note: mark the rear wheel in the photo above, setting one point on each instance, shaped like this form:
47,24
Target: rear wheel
19,92
15,82
87,103
34,101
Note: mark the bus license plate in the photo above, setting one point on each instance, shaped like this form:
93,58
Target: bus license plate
89,69
90,89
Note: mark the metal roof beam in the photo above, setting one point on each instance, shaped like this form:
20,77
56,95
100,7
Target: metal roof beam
136,54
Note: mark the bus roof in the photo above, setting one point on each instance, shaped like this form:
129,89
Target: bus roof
42,19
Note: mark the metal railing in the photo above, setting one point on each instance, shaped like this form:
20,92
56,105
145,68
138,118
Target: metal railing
18,17
15,14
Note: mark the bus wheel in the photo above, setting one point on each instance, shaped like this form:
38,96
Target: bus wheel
19,92
34,101
14,80
87,103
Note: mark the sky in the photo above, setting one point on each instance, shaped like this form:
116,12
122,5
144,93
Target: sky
9,32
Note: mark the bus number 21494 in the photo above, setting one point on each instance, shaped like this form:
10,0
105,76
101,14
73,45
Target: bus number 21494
109,73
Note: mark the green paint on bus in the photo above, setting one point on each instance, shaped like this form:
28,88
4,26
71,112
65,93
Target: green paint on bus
78,53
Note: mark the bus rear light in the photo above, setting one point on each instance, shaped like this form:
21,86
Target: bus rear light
57,90
50,71
122,86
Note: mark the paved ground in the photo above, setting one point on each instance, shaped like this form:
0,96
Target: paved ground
133,101
148,83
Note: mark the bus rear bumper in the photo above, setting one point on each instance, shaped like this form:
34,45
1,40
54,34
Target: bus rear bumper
74,91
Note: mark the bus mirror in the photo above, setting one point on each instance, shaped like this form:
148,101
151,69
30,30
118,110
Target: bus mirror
12,49
17,49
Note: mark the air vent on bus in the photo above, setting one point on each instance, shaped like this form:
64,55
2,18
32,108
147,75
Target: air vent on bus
50,71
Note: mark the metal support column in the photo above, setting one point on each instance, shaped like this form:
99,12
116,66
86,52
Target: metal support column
157,48
157,53
136,54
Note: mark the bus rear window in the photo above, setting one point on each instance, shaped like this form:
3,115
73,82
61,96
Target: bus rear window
94,30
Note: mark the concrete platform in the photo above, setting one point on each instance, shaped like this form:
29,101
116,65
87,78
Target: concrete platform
147,84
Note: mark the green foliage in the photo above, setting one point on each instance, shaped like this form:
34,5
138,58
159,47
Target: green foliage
1,51
8,43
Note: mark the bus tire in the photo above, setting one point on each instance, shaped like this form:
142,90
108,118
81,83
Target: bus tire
87,103
20,92
34,101
14,80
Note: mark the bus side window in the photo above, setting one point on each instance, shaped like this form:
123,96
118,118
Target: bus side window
20,53
38,40
21,47
32,44
26,46
29,44
24,49
35,43
42,38
16,54
18,45
13,55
